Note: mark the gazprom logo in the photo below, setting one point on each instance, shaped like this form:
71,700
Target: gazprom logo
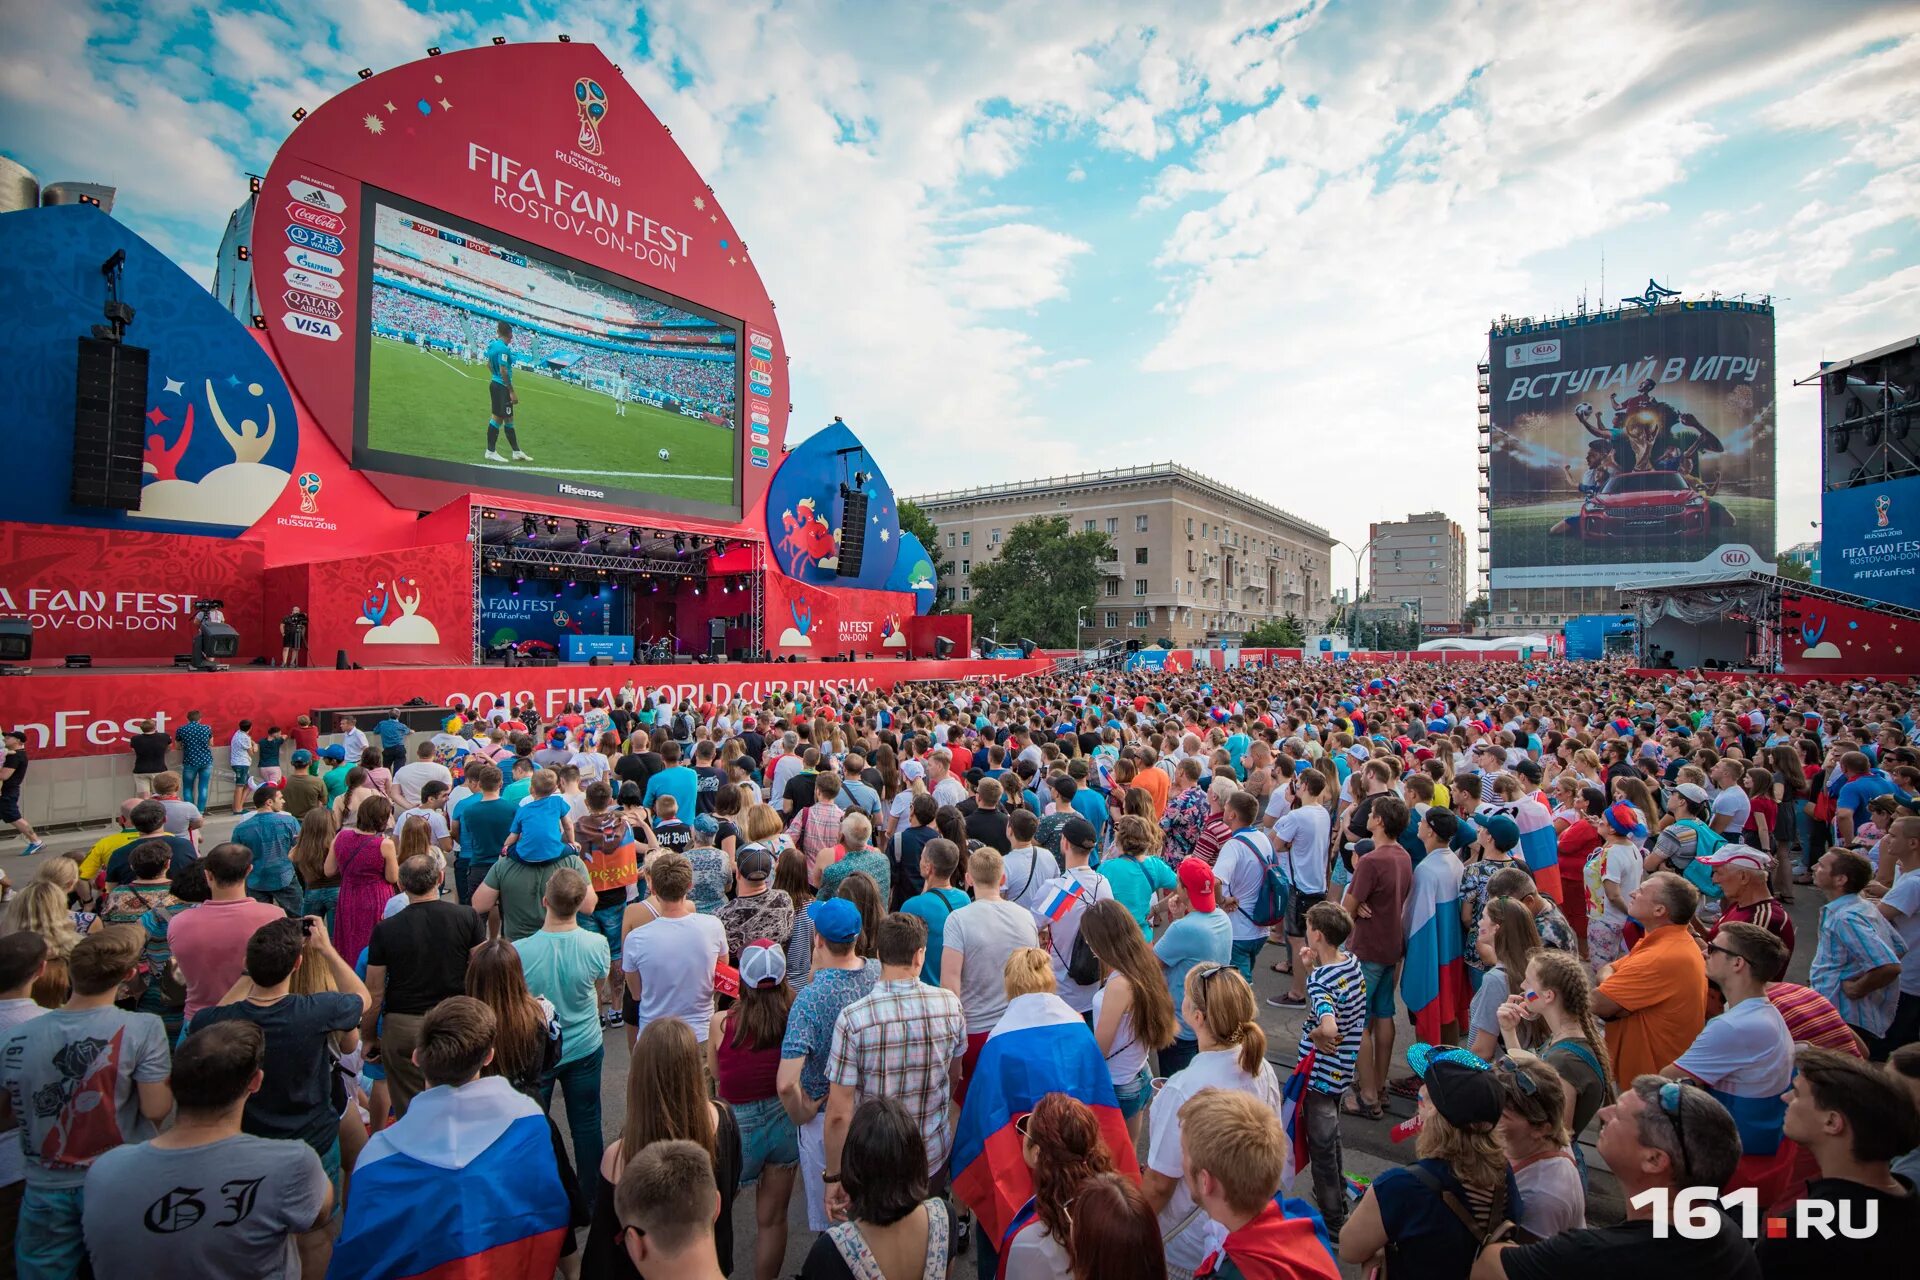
311,239
309,260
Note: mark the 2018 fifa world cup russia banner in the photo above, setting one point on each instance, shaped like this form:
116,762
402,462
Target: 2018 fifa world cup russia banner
1634,448
1870,541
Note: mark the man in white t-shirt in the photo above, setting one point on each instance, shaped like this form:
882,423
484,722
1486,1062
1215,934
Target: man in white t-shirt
669,960
1744,1056
1240,870
1059,933
409,778
1731,807
1300,837
1900,858
1029,868
946,788
974,948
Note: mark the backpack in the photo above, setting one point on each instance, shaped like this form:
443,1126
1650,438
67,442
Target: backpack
682,727
1705,841
1269,905
1499,1227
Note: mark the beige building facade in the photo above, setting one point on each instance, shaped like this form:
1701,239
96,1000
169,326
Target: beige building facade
1194,563
1420,561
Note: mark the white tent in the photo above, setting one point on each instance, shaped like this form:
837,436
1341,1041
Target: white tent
1487,644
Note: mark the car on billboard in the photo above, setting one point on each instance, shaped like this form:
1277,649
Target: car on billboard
1645,504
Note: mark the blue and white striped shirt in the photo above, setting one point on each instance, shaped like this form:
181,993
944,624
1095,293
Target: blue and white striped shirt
1856,938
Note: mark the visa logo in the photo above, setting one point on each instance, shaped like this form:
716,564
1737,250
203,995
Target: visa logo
308,260
315,239
310,326
319,197
312,282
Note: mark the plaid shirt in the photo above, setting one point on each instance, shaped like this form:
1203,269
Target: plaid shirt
899,1042
816,828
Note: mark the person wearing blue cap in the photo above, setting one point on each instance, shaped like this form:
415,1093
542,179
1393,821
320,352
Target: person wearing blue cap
840,977
1492,853
338,765
1614,871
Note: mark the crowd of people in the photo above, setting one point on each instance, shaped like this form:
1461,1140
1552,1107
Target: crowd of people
973,967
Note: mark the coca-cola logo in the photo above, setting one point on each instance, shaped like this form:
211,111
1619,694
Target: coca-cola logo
319,219
313,304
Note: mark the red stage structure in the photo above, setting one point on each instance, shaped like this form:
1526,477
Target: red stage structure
337,452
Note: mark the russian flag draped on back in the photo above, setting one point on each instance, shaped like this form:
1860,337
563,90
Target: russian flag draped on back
1039,1047
464,1188
1293,1118
1434,981
1539,844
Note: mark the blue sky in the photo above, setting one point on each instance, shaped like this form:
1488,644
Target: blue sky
1056,237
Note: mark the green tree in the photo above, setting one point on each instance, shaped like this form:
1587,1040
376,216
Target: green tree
1276,633
918,523
1792,569
1034,589
1477,611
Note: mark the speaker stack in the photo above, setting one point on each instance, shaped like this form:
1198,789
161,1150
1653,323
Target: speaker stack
109,440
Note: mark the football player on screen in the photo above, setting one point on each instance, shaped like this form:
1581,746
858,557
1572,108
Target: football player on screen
503,396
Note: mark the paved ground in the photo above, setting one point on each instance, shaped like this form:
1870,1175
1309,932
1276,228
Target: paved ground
1368,1147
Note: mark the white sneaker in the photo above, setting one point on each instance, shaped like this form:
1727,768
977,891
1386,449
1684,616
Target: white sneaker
494,457
522,457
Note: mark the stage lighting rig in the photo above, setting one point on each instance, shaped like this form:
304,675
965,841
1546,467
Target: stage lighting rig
553,524
633,539
679,544
583,531
527,526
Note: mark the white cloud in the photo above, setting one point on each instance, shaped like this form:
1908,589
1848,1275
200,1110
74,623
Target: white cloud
1015,264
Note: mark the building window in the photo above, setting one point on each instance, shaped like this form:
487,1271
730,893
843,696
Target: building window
1090,526
966,593
1113,524
1142,617
993,536
966,537
1113,586
1139,524
1203,529
1139,586
1139,555
1113,618
1190,565
1189,526
949,540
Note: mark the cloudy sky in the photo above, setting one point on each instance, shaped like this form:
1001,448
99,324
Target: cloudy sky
1027,238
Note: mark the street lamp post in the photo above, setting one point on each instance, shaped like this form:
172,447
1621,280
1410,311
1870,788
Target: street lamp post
1354,608
1079,624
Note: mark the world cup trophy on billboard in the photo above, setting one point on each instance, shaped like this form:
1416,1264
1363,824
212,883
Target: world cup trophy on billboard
591,99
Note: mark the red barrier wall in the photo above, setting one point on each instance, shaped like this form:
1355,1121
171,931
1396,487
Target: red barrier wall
91,713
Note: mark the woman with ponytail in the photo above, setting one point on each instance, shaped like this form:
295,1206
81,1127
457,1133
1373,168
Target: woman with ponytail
1558,999
1132,1011
1061,1142
1219,1006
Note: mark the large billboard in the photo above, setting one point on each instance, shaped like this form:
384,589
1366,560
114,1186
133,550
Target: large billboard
1870,541
1633,448
491,362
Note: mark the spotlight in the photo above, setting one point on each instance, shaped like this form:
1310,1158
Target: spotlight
95,201
254,182
259,321
571,584
556,593
527,527
433,51
633,539
299,114
499,39
518,579
696,591
365,73
242,252
719,546
566,39
603,544
581,531
488,513
516,588
679,545
553,524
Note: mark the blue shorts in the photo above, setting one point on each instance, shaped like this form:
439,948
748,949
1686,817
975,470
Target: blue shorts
240,773
767,1138
605,921
1135,1094
1379,989
330,1162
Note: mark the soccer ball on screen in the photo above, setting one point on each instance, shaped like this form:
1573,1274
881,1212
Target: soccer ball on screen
664,455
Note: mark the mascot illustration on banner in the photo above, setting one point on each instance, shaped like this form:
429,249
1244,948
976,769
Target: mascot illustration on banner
806,542
409,628
1812,627
795,636
891,636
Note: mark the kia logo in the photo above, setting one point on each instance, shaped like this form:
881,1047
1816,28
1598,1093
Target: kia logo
1734,557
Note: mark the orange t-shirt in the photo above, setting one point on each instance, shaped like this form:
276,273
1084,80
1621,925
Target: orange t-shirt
1662,984
1155,784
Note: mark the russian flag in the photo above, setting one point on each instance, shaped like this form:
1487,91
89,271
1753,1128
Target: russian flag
1293,1118
466,1187
1040,1046
1434,979
1539,845
1062,903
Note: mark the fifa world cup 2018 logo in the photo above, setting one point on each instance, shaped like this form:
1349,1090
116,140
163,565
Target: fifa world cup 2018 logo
591,100
1882,506
309,484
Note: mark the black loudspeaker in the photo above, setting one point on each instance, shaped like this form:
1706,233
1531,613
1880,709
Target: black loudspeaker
217,640
942,647
340,662
109,426
599,660
16,639
853,532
